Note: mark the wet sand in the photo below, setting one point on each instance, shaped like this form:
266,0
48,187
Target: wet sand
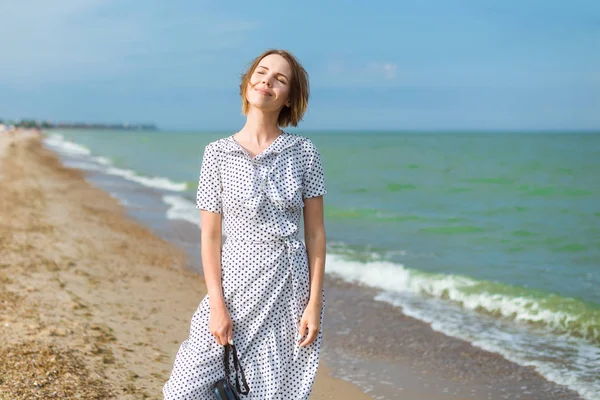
406,359
93,304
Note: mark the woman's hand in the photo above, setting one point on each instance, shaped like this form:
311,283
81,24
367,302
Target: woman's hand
310,321
220,325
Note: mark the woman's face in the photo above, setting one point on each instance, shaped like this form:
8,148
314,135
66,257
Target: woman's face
269,85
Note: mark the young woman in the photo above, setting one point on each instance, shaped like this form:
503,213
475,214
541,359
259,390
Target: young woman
265,286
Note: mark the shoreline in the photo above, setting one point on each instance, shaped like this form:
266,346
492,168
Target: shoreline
94,304
387,354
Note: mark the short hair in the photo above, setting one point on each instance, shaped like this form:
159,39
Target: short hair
299,89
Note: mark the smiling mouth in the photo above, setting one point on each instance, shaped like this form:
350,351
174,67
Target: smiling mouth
263,92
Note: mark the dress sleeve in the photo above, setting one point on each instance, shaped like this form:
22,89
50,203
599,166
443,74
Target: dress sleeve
313,183
208,196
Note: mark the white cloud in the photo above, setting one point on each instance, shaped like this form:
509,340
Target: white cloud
387,70
343,73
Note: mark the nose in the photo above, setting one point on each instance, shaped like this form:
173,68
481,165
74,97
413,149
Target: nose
266,80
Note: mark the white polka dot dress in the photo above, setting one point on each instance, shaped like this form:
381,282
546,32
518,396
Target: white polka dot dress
265,273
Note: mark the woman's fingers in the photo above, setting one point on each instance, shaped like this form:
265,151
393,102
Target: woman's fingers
312,334
303,328
230,334
224,336
221,327
221,336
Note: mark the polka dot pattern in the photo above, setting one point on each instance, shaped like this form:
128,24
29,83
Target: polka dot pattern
265,272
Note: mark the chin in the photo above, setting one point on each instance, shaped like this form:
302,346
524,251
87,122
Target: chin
262,104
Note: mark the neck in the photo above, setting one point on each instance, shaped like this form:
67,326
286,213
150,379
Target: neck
261,126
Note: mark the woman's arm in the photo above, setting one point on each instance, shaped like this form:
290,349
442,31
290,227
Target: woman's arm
208,200
314,234
211,237
220,324
313,190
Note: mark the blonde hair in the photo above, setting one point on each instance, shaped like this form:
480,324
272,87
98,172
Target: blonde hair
299,89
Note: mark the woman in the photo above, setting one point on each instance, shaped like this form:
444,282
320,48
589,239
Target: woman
265,287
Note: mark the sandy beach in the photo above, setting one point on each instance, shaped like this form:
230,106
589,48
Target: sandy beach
94,305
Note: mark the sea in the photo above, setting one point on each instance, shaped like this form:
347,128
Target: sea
490,237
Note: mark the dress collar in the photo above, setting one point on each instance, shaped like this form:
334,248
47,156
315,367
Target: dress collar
282,142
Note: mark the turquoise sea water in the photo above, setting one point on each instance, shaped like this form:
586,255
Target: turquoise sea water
483,235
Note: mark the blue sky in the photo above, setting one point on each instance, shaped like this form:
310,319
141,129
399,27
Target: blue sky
426,65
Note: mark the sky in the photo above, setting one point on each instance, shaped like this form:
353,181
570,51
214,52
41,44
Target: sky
385,65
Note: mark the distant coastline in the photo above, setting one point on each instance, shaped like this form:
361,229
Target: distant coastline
135,127
32,124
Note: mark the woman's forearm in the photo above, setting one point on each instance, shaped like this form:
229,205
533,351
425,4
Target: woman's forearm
211,264
211,241
316,250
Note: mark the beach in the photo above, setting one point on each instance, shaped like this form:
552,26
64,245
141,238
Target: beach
96,303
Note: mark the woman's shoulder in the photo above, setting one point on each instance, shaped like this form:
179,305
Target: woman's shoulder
222,144
304,142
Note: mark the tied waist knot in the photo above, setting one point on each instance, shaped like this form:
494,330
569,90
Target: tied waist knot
297,267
